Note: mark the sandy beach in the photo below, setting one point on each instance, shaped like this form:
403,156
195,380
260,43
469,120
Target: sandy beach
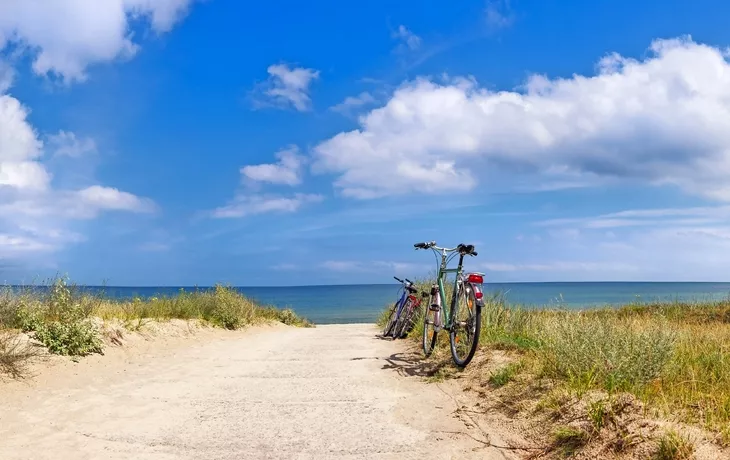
262,393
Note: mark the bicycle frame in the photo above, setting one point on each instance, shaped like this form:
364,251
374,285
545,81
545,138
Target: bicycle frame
401,302
404,297
459,280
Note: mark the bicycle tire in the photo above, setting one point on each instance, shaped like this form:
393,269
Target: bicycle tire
430,333
473,322
391,321
397,330
408,320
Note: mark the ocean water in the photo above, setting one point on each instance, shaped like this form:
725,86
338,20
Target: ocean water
363,303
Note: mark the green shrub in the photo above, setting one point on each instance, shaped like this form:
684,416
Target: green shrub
229,310
62,323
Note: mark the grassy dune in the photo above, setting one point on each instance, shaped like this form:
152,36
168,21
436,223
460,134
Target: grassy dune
66,320
673,357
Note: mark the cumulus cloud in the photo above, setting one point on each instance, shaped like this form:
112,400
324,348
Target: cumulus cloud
661,120
66,143
62,38
286,87
287,171
246,205
409,40
27,198
66,36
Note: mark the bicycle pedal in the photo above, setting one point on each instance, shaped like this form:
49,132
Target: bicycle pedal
434,308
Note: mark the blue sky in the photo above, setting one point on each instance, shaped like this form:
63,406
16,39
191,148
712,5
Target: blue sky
184,142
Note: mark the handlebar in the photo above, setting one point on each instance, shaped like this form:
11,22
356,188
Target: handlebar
401,281
466,249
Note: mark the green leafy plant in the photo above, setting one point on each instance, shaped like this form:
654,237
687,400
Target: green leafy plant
62,323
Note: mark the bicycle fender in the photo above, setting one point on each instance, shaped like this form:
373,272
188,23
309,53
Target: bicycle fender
478,293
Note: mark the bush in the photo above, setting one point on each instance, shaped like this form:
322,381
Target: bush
62,323
229,310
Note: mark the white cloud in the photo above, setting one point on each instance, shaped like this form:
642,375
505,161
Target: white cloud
285,267
247,205
63,38
646,217
498,14
558,267
154,246
408,39
287,171
286,87
661,120
354,102
28,201
68,144
107,198
66,36
371,266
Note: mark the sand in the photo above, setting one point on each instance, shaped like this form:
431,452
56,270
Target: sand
263,393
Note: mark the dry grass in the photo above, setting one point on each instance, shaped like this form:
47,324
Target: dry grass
673,357
61,317
15,354
673,446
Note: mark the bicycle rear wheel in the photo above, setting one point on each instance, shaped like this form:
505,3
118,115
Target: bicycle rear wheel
465,327
391,321
430,331
402,319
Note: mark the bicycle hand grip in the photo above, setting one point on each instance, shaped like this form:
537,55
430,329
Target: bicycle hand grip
398,279
409,281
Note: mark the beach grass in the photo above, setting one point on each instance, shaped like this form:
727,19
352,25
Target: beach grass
673,356
65,318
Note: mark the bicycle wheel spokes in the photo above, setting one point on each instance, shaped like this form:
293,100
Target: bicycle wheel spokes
465,328
430,328
391,321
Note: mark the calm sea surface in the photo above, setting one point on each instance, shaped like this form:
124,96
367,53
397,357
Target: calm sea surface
363,303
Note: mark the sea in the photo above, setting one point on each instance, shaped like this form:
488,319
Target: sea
363,303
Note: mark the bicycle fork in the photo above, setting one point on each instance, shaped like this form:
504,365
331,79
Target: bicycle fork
436,308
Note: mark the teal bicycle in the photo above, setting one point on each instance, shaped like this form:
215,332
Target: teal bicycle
463,316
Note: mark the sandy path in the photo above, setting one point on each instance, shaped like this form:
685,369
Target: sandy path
328,392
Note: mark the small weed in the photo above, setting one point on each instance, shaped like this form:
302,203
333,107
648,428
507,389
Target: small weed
504,375
673,446
724,435
567,440
599,414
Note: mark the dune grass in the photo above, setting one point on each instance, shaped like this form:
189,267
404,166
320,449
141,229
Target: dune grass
673,356
65,319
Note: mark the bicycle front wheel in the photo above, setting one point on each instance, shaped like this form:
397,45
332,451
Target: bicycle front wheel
430,325
465,327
